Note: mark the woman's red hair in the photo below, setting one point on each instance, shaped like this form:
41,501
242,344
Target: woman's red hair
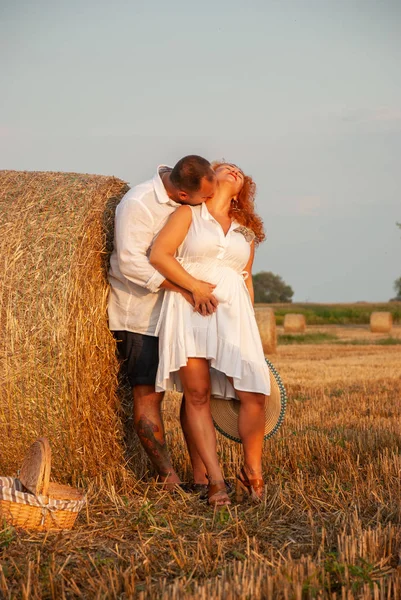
244,210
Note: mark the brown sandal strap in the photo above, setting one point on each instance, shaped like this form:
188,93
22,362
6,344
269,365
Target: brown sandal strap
215,488
217,494
256,484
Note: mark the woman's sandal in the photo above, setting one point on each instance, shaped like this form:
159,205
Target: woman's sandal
201,489
217,494
253,487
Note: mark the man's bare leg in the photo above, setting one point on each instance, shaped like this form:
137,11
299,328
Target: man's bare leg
198,466
149,427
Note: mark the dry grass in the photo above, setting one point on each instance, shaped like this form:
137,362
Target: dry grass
351,333
330,526
339,365
58,372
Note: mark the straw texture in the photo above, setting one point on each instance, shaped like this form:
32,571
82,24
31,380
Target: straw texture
266,321
58,367
294,323
381,322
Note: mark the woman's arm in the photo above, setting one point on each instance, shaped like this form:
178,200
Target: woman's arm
248,269
162,258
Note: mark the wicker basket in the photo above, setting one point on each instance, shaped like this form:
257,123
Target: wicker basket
37,503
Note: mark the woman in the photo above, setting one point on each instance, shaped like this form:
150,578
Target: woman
215,242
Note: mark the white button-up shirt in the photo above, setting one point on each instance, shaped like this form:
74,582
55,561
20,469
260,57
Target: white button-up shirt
135,297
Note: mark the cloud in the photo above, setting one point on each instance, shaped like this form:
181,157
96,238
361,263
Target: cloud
298,206
372,115
308,205
6,131
9,131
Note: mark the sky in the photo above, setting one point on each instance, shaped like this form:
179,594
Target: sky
304,95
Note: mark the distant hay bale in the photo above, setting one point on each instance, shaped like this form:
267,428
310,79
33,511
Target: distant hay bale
381,322
294,323
266,321
58,366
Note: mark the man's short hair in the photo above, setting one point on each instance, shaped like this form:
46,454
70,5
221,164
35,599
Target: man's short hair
188,173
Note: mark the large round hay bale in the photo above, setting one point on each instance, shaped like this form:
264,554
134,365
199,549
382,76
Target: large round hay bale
57,356
294,323
266,321
381,322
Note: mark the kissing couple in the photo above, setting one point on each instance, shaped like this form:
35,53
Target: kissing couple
181,310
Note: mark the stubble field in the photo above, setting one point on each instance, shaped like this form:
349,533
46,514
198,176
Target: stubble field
329,526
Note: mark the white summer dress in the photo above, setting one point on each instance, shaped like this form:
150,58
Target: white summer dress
229,338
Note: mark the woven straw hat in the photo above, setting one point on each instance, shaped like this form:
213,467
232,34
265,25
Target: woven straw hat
225,410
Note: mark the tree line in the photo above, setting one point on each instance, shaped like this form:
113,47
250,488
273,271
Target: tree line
270,288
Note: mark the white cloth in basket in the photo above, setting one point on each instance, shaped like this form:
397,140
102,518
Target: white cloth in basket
12,490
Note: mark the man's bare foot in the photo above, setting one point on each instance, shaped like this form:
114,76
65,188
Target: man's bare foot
169,482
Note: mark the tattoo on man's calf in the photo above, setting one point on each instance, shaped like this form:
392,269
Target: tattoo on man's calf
156,449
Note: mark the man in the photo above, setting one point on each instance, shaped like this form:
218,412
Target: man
136,296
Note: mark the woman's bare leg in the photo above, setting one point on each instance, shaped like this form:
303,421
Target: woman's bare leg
251,426
195,379
198,467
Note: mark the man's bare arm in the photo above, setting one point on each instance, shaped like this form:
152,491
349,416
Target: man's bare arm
172,287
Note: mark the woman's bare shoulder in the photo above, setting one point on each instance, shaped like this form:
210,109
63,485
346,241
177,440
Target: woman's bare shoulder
184,209
182,213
